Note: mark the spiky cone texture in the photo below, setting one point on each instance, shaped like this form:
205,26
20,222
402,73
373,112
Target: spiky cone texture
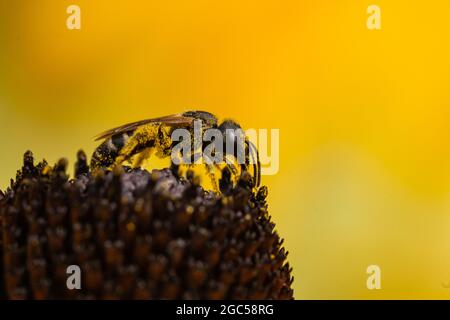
136,235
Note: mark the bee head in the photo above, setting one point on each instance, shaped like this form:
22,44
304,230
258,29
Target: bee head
208,119
233,135
230,129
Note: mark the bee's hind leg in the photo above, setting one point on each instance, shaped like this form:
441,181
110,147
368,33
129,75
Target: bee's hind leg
142,137
139,159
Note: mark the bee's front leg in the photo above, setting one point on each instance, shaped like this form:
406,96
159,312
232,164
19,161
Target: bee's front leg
232,167
252,159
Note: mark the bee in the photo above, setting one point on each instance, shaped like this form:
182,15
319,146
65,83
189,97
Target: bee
133,142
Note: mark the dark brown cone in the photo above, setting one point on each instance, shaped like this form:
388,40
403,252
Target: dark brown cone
135,235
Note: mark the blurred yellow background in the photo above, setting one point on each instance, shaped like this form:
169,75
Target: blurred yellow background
364,116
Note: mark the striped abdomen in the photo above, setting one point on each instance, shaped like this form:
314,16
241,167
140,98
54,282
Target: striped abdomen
107,152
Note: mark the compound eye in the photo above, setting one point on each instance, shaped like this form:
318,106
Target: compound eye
229,125
230,136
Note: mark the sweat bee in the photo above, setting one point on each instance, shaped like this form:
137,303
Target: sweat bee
132,143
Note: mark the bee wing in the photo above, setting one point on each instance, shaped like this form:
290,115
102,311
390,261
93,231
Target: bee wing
174,119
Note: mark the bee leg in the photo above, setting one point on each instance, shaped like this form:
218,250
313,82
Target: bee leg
212,177
164,141
142,137
252,151
232,168
183,166
225,183
210,171
229,174
211,174
141,157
